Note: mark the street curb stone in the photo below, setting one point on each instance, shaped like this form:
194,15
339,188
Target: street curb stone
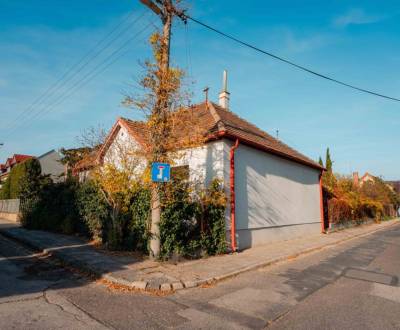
168,287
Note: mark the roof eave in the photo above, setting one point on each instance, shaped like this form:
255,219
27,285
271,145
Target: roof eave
223,134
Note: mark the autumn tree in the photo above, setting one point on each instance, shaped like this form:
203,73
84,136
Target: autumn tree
161,100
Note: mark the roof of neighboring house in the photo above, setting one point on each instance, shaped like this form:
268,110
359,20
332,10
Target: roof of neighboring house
47,153
366,175
15,159
213,122
395,185
86,163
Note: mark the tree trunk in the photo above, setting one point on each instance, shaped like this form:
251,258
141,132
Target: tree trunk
155,223
159,153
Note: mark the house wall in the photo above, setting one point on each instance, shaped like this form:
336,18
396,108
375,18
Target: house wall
51,164
121,152
205,163
276,199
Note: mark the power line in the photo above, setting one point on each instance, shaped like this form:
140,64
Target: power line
79,65
107,62
226,35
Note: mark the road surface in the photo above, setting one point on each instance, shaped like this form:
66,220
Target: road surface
351,286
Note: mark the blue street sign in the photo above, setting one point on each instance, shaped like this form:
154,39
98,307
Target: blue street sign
160,172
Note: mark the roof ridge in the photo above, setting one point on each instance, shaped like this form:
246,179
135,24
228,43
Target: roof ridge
218,121
246,121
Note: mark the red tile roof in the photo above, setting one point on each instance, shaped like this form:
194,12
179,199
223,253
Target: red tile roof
214,122
15,159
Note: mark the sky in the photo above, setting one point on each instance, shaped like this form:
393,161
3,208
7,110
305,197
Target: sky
43,45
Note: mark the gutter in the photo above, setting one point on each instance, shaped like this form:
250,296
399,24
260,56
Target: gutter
233,199
225,134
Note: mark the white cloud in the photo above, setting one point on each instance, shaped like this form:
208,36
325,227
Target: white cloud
356,17
297,44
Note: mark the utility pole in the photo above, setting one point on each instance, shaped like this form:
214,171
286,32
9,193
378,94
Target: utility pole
166,10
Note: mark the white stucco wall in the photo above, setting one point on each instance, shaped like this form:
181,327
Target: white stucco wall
122,150
205,163
276,199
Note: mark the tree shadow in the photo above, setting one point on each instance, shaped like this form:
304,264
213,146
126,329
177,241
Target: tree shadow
26,272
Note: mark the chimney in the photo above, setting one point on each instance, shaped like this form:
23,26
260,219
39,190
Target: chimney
356,180
224,95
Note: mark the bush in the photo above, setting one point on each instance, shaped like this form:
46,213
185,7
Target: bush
54,208
192,226
24,177
213,233
93,209
179,228
138,229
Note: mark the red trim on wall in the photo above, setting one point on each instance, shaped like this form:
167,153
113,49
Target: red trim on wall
233,198
321,204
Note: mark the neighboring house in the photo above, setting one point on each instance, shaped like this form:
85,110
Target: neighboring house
274,191
395,185
83,168
51,165
367,178
5,168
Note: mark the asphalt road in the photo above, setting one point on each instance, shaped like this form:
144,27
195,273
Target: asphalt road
351,286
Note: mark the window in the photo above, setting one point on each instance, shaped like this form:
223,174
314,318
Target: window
180,172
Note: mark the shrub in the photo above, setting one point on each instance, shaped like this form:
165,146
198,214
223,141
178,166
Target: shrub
93,209
213,231
138,228
179,228
53,208
23,177
192,225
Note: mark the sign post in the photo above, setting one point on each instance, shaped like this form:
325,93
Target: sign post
160,172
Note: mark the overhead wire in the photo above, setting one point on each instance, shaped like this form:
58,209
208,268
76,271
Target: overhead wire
100,68
80,65
300,67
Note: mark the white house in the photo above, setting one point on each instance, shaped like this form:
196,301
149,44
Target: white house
274,191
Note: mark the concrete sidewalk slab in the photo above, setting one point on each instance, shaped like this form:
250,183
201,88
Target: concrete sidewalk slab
142,274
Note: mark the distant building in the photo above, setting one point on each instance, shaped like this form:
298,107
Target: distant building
51,165
367,178
395,185
5,168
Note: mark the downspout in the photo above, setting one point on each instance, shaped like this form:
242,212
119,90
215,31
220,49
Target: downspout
233,200
321,204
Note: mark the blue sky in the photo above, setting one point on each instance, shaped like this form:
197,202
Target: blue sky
349,40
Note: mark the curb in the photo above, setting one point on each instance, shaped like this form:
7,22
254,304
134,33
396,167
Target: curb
171,287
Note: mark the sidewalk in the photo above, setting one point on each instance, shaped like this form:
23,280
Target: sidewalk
134,273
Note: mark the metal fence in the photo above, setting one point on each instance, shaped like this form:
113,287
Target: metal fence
9,206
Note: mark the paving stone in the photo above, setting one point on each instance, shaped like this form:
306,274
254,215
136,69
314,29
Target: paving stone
140,285
165,287
189,284
177,286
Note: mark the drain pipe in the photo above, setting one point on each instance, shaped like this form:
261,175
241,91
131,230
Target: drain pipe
321,205
233,201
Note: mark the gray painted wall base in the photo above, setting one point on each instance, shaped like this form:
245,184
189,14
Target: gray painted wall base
247,238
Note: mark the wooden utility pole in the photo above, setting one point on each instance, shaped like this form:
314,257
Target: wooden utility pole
166,10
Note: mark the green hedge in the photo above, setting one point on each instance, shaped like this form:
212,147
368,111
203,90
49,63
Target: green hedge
21,177
191,224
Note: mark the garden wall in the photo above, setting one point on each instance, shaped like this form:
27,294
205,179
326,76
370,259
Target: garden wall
9,209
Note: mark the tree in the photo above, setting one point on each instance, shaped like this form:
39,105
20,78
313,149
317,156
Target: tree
320,161
328,161
328,178
162,86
